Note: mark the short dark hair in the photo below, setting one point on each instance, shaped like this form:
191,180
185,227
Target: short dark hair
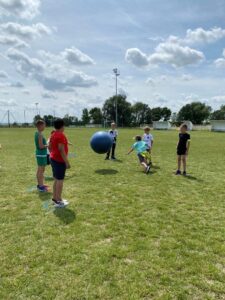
138,138
59,123
39,123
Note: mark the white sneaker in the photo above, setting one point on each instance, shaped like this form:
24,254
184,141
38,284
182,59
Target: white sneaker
66,202
58,204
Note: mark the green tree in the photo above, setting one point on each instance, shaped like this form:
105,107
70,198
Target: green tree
123,108
85,116
218,114
139,113
196,112
96,115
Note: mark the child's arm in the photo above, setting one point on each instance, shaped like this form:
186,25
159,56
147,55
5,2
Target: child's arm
188,146
131,150
62,151
69,143
40,143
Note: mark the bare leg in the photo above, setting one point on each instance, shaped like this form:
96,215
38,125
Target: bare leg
54,189
184,162
40,175
178,162
144,166
59,188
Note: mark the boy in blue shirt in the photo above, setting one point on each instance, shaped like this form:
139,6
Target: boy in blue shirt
141,149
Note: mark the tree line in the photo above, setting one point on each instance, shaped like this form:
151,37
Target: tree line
139,113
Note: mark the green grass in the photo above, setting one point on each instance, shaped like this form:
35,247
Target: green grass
125,235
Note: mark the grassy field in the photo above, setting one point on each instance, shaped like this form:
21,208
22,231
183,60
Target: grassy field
125,235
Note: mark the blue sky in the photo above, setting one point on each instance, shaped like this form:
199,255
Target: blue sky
60,54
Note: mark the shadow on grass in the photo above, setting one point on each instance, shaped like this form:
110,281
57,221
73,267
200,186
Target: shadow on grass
66,215
190,177
155,167
117,161
106,172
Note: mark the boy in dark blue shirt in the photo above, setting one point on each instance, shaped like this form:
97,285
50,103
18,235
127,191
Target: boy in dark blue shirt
183,147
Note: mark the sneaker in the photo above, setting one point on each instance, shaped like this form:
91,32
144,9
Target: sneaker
184,173
148,170
178,172
42,189
107,158
66,202
113,158
58,204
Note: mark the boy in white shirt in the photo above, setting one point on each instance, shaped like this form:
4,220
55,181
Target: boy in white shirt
149,140
114,133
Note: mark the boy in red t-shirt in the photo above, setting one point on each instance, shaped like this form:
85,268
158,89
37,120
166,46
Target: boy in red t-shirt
58,147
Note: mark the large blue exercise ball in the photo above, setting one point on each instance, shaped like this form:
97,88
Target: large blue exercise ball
101,142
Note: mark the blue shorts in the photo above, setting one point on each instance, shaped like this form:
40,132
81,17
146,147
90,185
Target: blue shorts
58,169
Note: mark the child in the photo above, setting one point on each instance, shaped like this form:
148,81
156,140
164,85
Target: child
58,147
183,147
41,155
148,139
141,150
114,133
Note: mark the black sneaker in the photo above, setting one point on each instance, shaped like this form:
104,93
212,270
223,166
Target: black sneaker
178,172
113,158
185,173
107,158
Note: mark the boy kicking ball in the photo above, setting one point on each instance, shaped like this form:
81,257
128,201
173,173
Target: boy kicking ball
58,147
141,149
183,147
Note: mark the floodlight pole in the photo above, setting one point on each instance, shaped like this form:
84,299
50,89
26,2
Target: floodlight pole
36,108
117,73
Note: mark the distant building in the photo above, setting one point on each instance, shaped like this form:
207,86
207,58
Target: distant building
161,125
218,125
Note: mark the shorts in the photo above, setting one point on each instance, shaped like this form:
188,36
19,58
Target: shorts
41,161
181,151
58,169
48,160
141,157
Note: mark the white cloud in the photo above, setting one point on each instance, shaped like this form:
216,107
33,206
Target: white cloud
176,55
12,41
25,31
150,81
136,57
199,35
53,77
26,92
8,103
220,62
26,9
17,84
72,56
186,77
4,75
76,57
170,52
48,95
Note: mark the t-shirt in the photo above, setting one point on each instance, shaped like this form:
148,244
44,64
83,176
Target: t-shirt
183,138
58,138
114,134
148,138
40,152
139,147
